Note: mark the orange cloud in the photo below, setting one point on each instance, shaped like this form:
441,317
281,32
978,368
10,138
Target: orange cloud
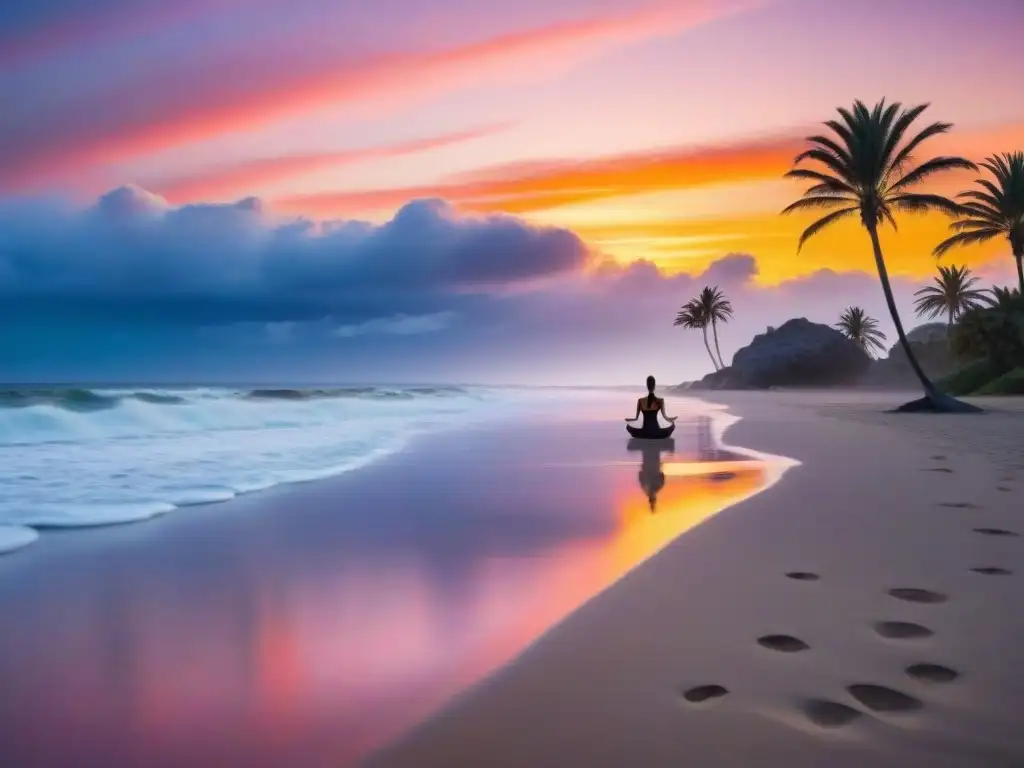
226,181
689,245
213,98
540,186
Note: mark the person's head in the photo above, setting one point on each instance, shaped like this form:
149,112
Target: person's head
650,383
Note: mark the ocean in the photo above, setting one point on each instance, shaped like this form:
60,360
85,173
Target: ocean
80,457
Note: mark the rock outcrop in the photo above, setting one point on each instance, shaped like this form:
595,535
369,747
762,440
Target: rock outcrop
930,343
726,378
798,353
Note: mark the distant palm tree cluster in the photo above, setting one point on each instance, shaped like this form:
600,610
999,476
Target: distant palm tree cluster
709,307
952,294
865,166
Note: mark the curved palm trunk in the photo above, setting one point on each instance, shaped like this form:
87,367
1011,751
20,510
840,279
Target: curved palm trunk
707,346
933,400
714,330
1018,255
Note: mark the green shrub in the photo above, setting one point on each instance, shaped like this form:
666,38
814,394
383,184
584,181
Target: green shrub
993,333
968,379
1010,383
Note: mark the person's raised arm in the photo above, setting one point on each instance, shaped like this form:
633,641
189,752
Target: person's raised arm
665,415
637,412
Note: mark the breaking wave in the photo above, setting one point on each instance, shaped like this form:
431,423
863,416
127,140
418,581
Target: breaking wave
77,457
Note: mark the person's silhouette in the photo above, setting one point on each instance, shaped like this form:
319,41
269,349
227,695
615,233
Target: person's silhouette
651,478
650,407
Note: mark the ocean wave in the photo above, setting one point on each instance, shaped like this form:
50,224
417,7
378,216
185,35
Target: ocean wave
405,393
82,400
77,457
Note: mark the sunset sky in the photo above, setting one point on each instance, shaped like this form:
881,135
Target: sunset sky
579,169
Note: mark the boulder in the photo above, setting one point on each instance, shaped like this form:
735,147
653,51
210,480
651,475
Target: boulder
799,353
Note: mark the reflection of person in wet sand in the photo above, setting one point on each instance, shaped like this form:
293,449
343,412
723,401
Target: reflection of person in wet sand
650,407
651,478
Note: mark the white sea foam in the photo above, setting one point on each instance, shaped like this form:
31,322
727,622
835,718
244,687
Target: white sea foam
80,458
14,537
75,458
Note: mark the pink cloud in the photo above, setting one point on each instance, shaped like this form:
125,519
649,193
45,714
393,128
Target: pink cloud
199,97
225,181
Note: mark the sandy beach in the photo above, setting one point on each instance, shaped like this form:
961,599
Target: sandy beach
863,611
488,597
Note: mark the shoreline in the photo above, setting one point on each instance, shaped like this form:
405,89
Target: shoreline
876,506
264,568
326,618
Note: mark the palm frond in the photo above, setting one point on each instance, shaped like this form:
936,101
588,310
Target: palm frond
923,203
815,201
965,238
928,168
935,129
821,223
993,208
824,178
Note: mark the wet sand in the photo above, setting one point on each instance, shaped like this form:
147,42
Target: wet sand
312,624
864,611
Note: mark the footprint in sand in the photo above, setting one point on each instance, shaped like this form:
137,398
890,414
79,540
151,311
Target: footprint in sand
1003,488
992,571
958,505
703,693
802,576
912,595
902,630
878,698
995,532
829,714
932,673
782,643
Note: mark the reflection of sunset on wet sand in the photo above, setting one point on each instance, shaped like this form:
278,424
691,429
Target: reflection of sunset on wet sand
310,647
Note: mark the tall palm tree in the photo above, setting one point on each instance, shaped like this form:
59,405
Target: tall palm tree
717,309
994,210
866,169
691,316
856,325
951,293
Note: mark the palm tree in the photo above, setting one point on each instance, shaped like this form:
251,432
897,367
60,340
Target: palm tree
856,325
1002,296
691,316
866,169
951,293
994,210
717,309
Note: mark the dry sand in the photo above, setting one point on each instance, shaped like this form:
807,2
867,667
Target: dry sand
865,611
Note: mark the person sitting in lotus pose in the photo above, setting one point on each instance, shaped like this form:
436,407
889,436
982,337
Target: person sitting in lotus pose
650,407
